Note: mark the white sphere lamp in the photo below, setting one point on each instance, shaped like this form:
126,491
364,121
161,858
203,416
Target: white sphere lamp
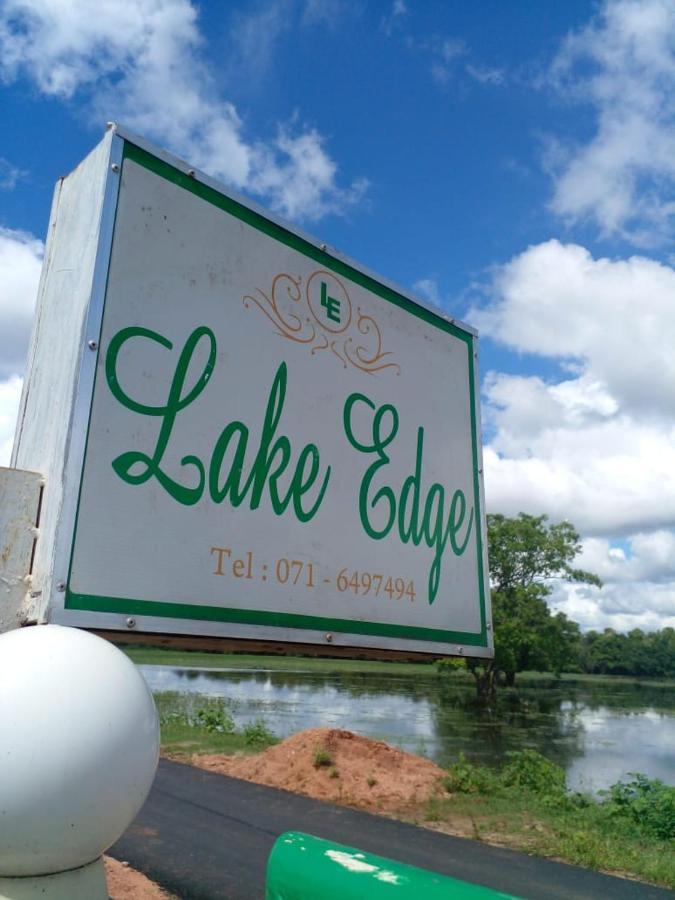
79,745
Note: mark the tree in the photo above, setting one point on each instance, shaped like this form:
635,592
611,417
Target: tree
525,556
635,653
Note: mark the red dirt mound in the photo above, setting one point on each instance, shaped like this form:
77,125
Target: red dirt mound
338,766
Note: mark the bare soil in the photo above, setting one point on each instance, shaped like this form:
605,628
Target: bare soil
125,883
340,767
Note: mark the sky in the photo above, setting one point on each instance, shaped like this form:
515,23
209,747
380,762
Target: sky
513,163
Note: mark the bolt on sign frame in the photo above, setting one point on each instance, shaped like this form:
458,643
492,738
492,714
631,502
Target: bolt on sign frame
245,434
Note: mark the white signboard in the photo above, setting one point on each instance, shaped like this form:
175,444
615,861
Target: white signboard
274,443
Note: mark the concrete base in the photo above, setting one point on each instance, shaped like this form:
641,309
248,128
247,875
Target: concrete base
85,883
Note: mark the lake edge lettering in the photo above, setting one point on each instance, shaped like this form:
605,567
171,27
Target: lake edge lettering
274,455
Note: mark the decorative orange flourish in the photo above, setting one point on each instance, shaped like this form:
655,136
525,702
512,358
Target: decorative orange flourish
357,344
292,326
372,363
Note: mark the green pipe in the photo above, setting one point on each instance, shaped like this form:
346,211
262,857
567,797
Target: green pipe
303,867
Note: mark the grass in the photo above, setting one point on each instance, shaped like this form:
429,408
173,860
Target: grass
526,806
583,837
322,758
198,724
184,738
158,656
582,678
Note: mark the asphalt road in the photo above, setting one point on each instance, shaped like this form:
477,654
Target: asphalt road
206,837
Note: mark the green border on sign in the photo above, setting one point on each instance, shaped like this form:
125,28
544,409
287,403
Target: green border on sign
195,612
262,617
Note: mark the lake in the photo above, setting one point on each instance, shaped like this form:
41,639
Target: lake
598,732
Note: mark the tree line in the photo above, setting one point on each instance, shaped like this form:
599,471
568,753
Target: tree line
651,654
526,556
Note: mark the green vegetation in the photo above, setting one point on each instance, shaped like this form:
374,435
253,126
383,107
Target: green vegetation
198,724
526,804
215,720
322,758
456,672
636,653
257,736
525,554
158,656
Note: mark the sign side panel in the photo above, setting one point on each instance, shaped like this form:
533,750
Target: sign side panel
45,426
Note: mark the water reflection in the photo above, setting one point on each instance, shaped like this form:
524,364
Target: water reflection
598,733
630,742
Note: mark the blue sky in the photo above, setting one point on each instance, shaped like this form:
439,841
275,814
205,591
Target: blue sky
512,162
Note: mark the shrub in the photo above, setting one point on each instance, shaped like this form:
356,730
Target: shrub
648,803
215,720
530,770
258,735
526,770
449,665
322,758
465,778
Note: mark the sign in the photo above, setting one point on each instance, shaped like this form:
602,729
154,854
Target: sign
275,443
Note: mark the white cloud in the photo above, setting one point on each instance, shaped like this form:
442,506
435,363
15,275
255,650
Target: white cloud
622,607
448,59
487,74
324,12
650,556
10,394
20,262
428,289
445,55
255,34
394,17
622,65
522,407
594,444
297,176
613,479
614,319
141,62
9,175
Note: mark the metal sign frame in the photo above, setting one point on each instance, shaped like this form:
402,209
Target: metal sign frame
110,613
